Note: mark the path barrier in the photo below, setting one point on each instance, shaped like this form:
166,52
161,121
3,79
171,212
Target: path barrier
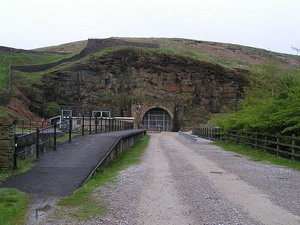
34,138
63,171
124,142
189,136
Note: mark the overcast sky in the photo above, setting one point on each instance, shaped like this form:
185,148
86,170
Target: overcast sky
268,24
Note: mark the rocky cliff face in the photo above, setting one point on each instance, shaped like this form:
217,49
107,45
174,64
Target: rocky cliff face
129,76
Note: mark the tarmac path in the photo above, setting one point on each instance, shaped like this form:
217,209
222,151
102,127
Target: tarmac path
60,172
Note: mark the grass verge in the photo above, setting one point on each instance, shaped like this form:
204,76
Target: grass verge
83,205
23,166
65,137
13,206
14,203
259,155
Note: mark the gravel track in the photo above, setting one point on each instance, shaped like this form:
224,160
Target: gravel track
179,182
282,185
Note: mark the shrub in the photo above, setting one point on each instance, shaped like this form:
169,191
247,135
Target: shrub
53,109
271,105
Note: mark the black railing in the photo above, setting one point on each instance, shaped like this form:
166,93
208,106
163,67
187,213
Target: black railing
28,126
33,138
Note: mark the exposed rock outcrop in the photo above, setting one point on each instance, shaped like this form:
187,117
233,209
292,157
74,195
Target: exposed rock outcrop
149,78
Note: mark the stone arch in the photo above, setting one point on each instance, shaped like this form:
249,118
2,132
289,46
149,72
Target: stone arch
158,106
156,118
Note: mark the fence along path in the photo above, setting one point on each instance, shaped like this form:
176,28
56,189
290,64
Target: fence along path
287,146
33,138
60,172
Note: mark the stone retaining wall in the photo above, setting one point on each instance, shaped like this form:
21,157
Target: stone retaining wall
6,143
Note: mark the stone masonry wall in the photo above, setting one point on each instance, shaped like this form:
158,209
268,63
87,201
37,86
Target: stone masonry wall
6,143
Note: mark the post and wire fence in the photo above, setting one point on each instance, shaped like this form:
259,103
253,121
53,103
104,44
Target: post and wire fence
34,138
281,145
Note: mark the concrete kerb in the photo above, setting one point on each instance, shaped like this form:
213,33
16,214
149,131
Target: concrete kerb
118,147
188,136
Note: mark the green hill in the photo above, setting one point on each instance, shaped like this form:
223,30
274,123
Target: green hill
267,72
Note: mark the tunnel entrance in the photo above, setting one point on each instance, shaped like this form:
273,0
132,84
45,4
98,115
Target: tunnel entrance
157,118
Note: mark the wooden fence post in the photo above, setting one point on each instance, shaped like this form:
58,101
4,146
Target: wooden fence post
277,144
293,144
256,136
265,143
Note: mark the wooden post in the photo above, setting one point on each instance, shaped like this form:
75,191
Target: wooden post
293,144
265,143
277,144
256,136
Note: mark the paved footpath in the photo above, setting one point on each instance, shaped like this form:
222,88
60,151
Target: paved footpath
61,172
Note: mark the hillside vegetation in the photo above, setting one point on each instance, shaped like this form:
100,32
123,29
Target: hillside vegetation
222,53
271,104
23,59
274,78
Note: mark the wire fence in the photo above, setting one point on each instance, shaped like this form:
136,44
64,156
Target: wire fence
281,145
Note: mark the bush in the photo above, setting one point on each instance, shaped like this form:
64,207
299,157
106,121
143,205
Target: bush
53,109
271,105
122,101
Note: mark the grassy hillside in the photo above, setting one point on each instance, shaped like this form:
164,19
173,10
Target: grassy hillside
70,48
24,59
235,55
265,79
223,53
4,67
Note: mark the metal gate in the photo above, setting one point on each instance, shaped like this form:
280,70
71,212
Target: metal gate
157,119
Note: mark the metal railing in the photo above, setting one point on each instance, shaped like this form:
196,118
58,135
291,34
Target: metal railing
34,138
28,126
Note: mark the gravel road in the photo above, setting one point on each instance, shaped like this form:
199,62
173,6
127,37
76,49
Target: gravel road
179,182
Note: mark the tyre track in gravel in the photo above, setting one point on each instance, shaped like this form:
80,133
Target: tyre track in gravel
160,202
207,204
280,184
248,198
169,197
